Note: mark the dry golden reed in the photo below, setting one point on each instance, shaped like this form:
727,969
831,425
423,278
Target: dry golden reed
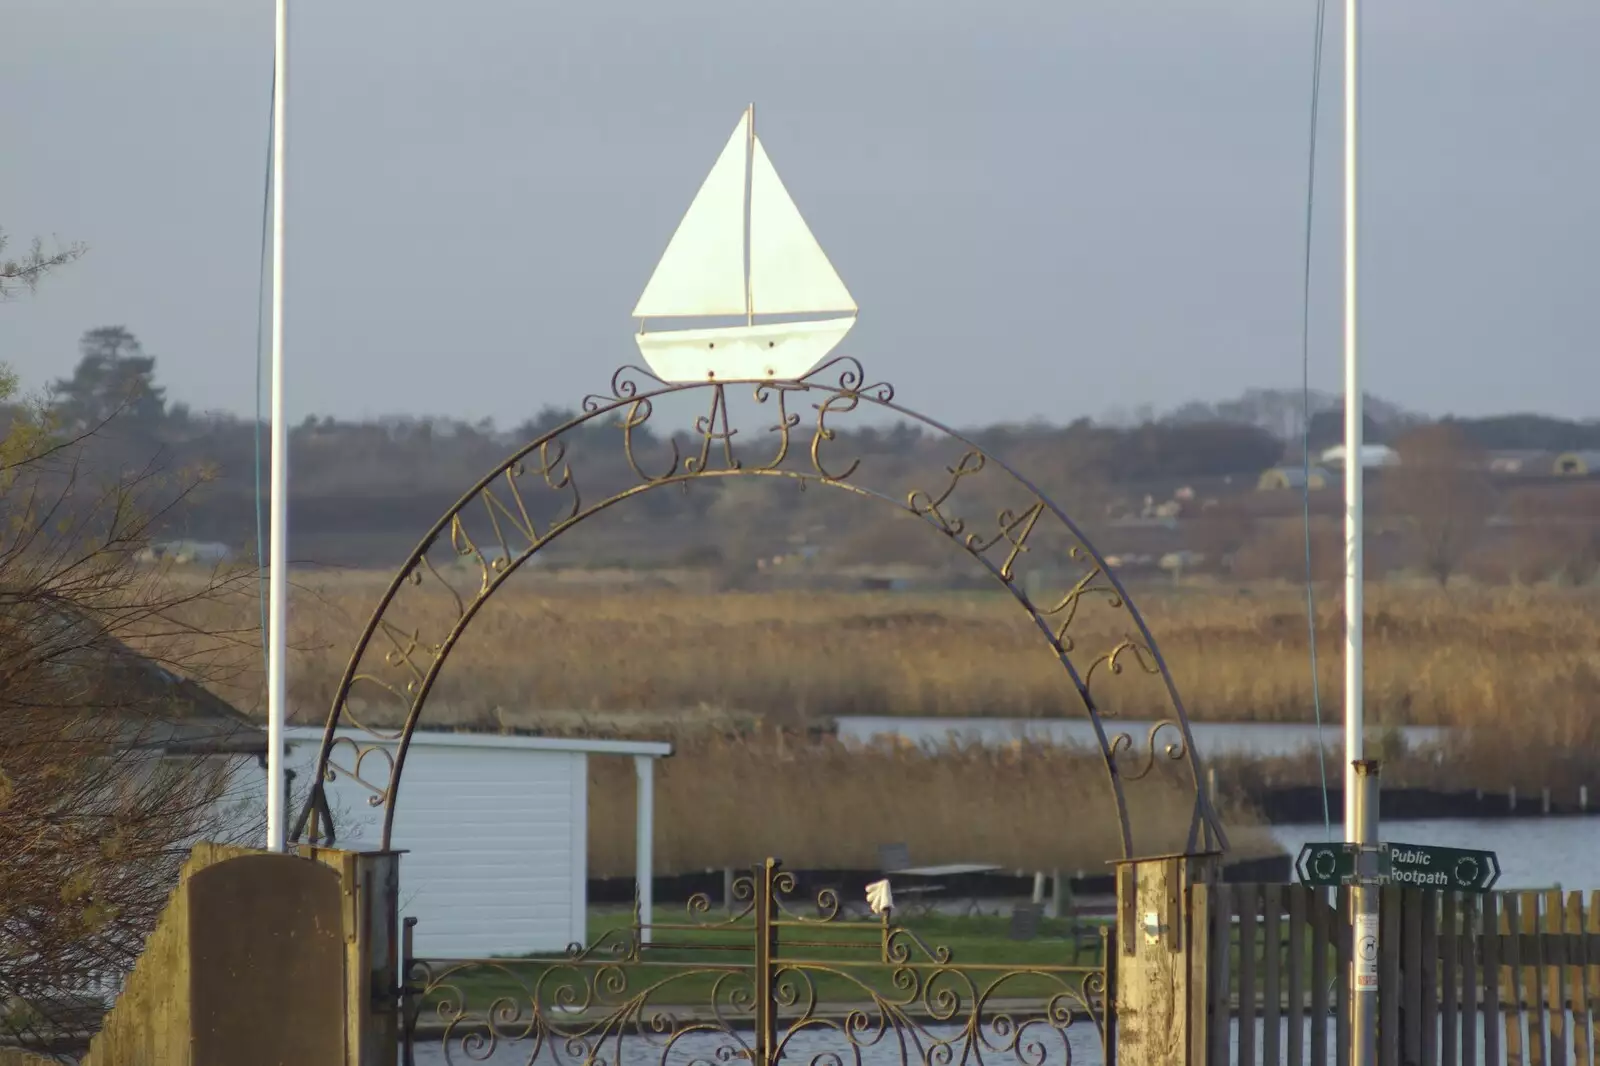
1513,669
817,804
1522,658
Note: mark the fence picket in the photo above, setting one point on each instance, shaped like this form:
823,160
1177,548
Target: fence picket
1577,952
1248,907
1411,975
1535,974
1493,1013
1555,987
1222,982
1449,977
1201,930
1344,939
1469,981
1428,977
1318,903
1511,923
1296,1012
1389,977
1272,989
1585,989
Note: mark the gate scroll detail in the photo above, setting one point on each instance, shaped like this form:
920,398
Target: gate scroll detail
765,984
1029,545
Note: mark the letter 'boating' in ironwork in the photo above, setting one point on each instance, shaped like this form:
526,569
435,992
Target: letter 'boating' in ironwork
537,494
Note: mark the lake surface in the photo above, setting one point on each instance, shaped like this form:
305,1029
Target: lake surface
1212,738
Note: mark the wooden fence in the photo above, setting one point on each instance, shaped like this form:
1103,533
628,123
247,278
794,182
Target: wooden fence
1502,979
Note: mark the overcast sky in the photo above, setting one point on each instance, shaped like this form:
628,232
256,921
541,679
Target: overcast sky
1044,207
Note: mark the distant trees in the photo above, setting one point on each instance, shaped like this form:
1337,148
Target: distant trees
1150,451
1529,432
1441,492
1193,450
359,483
114,377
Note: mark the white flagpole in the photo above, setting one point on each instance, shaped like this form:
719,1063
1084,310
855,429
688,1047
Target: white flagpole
277,565
1353,416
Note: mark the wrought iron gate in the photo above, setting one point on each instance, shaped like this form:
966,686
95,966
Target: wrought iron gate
781,979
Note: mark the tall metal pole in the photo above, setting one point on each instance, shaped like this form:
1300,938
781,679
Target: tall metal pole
277,564
1364,961
1353,467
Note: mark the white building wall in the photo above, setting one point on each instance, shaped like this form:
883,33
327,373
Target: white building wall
498,849
495,840
495,832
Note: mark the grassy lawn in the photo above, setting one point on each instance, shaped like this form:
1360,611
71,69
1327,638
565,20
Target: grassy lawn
695,964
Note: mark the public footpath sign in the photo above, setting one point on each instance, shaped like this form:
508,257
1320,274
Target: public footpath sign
1427,866
1414,865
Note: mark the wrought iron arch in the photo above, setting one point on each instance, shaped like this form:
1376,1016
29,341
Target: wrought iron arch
493,530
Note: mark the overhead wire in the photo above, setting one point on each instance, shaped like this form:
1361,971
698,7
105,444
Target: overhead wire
1305,403
261,329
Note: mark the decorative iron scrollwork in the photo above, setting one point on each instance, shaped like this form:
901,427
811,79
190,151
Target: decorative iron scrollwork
1029,545
763,986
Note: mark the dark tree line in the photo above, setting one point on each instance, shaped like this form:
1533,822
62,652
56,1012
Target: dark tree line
389,477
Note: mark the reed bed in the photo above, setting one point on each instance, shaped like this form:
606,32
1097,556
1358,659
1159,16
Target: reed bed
1514,670
1524,659
817,804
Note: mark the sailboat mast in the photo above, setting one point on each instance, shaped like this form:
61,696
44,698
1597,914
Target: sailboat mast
749,170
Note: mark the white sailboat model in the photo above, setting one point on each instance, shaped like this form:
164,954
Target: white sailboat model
743,250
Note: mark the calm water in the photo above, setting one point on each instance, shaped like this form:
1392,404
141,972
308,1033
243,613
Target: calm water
1211,738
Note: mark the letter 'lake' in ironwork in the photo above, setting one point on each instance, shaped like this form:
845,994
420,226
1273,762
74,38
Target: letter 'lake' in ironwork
770,983
537,495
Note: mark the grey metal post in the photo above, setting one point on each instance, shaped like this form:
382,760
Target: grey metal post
1364,957
1206,841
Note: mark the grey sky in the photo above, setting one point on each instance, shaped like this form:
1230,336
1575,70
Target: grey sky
1044,207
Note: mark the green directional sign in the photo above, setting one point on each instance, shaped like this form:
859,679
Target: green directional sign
1427,866
1416,865
1326,865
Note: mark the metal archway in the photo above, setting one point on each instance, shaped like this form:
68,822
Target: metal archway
492,528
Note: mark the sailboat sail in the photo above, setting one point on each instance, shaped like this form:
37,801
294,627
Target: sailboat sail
703,274
702,270
789,274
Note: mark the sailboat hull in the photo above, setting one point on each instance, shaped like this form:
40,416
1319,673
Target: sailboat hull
775,351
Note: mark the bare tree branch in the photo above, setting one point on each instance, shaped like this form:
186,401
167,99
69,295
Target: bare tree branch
25,272
102,667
